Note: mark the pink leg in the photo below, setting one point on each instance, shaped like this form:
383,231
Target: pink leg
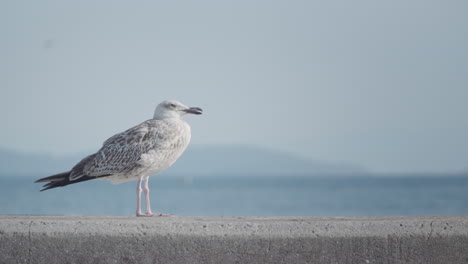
138,210
147,199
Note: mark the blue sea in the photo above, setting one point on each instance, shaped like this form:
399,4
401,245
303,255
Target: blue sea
247,196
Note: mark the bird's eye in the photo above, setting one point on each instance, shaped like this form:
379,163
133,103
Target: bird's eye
172,105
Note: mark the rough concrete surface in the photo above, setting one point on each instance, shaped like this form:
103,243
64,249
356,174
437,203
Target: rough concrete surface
186,239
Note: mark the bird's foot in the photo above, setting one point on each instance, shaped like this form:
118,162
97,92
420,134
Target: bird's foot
151,214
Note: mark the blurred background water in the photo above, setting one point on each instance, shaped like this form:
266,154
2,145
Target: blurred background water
247,196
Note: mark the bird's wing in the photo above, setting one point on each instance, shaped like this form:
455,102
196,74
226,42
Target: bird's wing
121,152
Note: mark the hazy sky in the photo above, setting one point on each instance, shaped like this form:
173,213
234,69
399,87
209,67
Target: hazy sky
383,84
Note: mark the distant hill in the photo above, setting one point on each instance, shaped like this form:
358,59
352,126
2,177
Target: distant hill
250,160
18,163
198,160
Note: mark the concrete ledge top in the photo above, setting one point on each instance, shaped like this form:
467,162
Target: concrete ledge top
192,239
427,226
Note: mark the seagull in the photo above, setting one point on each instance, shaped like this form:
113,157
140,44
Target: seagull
135,154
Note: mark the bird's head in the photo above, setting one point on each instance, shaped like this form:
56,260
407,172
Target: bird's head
174,109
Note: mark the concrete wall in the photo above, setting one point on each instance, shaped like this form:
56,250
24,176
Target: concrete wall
183,239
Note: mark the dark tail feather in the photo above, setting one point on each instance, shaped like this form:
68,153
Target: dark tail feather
56,177
60,180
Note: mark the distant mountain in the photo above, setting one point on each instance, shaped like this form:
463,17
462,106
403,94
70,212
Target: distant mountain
250,160
18,163
198,160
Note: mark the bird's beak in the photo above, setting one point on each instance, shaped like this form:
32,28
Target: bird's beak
193,110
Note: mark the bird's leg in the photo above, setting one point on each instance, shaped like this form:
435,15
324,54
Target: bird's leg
148,202
147,197
138,211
